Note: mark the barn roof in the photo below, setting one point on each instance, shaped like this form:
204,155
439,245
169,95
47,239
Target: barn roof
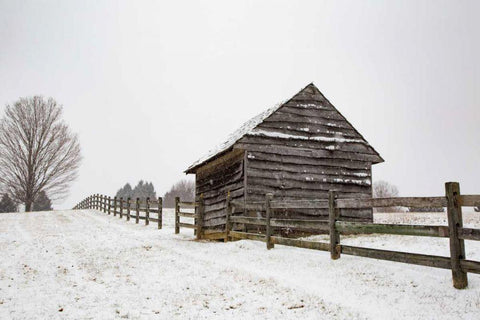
248,128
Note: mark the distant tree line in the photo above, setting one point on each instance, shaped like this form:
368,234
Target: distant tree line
185,189
142,190
41,203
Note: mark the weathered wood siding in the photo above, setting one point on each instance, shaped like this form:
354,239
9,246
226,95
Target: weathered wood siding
305,149
214,180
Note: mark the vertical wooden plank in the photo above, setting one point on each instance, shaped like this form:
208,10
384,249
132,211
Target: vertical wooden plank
121,207
109,205
177,217
114,206
128,209
228,213
160,207
147,211
457,246
201,212
334,234
137,209
268,211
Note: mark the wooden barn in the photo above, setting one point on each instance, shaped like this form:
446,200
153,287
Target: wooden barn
299,149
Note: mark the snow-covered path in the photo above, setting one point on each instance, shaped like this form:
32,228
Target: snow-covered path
88,265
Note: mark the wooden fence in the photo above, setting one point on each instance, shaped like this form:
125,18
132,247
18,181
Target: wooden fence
197,216
129,208
334,226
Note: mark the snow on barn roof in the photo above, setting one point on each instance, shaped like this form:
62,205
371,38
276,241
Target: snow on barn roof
246,128
250,128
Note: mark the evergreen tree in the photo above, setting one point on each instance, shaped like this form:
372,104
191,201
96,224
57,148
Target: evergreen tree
7,204
125,192
42,202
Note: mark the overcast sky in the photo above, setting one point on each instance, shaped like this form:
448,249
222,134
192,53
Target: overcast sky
150,86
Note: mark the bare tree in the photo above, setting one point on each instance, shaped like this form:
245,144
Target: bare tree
383,189
37,151
185,189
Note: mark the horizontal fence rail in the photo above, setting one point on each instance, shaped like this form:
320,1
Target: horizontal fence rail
197,216
334,226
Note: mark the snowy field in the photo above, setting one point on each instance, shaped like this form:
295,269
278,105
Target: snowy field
88,265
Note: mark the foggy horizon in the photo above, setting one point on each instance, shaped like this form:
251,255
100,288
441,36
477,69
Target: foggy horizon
151,88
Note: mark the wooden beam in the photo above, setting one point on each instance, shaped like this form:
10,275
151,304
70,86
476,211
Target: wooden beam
469,234
469,200
323,246
188,214
418,202
409,230
247,235
320,225
405,257
457,245
299,204
269,230
248,220
332,218
187,225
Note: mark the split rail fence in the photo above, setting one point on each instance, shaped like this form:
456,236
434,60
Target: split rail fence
129,208
141,209
236,219
334,226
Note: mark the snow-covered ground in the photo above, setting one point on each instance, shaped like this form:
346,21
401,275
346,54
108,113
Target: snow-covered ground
88,265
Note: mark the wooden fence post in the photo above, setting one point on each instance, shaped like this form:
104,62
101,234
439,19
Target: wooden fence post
137,209
121,207
201,211
457,246
334,234
114,206
177,217
109,205
104,204
228,213
160,206
268,213
147,211
128,209
97,206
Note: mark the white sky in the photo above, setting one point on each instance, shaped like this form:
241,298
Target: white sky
150,86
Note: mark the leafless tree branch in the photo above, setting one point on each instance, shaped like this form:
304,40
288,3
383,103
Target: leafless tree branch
37,151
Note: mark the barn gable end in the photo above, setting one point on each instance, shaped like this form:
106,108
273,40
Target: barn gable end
300,149
305,149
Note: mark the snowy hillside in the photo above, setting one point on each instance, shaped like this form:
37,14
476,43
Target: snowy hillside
88,265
